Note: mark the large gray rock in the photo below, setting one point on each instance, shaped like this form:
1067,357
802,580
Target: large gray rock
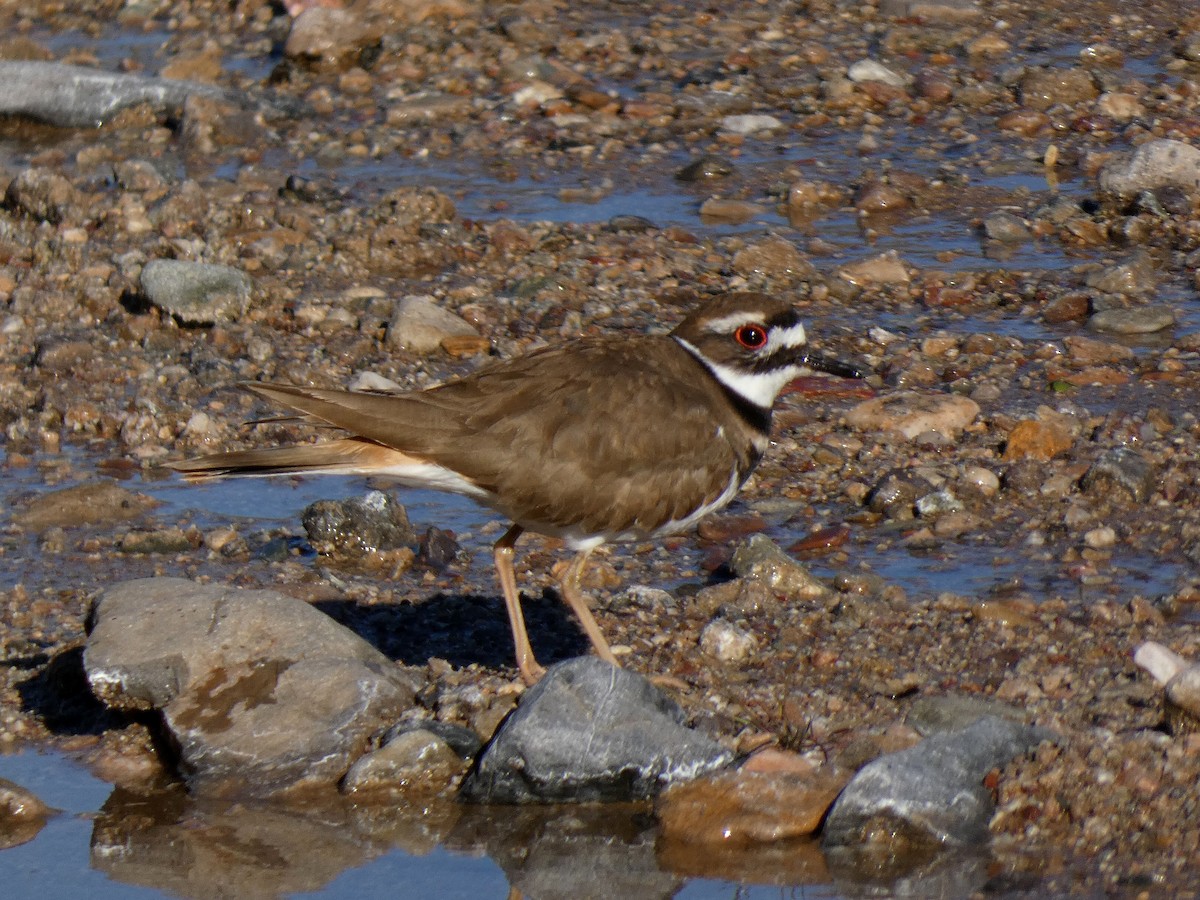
931,793
260,692
196,293
589,731
80,97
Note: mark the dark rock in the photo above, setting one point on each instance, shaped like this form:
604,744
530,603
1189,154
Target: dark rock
259,692
1124,470
438,548
589,731
459,738
359,526
932,793
709,167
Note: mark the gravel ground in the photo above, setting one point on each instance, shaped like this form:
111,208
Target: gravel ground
337,183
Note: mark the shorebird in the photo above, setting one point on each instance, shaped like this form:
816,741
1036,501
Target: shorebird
593,441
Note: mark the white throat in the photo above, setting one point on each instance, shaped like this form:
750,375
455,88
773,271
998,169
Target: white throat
759,388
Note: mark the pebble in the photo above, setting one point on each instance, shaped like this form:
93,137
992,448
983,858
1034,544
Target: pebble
773,258
412,762
42,194
1038,439
1135,320
1101,538
1042,88
1121,470
742,809
359,526
886,268
727,642
732,212
750,124
1180,678
22,814
760,559
1005,228
708,167
871,70
421,326
911,414
197,293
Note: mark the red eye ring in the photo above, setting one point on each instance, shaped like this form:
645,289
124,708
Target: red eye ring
752,337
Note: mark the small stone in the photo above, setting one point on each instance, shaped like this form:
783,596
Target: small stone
1037,439
1086,351
1121,470
773,258
727,642
1072,306
750,124
196,293
933,715
870,70
1005,228
1042,88
912,414
42,194
359,526
708,167
732,212
1134,320
760,559
421,326
1102,538
887,268
743,809
413,762
22,814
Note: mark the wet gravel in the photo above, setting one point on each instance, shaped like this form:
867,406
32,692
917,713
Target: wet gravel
836,155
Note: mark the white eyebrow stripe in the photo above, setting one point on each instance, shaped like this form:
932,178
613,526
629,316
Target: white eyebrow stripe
791,337
778,337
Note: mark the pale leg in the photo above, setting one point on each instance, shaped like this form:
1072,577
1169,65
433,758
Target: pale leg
530,671
573,596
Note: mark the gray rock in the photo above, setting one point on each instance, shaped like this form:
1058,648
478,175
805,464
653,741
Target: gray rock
759,558
359,526
420,325
1135,320
260,692
589,731
932,793
196,293
42,194
1006,228
931,715
1123,470
79,97
872,70
1156,164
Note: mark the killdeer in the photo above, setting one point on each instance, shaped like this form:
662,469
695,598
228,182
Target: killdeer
600,439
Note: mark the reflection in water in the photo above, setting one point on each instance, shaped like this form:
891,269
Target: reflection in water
188,848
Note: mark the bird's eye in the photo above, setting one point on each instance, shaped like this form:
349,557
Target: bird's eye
752,337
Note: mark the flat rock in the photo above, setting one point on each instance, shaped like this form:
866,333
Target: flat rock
589,731
931,793
420,325
1155,164
911,414
196,293
1136,320
260,692
90,503
746,808
760,559
81,97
